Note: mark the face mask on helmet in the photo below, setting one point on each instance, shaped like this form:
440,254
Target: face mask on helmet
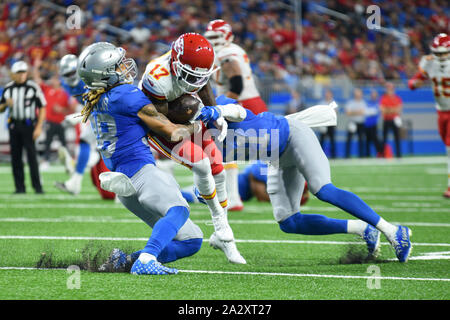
190,80
127,68
71,78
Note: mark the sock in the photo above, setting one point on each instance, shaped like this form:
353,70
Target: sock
387,228
206,185
232,186
165,229
221,189
313,224
83,157
353,204
348,202
179,249
146,257
356,227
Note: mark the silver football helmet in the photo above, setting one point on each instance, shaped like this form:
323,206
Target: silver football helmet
102,65
68,69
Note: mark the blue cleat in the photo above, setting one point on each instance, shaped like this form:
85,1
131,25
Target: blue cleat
402,244
372,238
152,267
117,261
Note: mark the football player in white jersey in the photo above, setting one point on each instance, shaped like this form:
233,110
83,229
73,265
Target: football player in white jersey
235,80
436,67
186,68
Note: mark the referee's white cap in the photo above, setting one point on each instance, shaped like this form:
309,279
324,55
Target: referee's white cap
19,66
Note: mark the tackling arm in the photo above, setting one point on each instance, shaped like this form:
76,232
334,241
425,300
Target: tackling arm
159,123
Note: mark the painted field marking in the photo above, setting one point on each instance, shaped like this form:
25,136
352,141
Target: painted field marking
19,237
250,208
270,274
109,219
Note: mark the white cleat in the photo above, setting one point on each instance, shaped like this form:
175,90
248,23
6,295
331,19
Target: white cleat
222,228
72,186
228,247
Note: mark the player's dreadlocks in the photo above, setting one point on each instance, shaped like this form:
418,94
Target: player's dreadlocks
91,98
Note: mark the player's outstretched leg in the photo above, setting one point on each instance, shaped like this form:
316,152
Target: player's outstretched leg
398,236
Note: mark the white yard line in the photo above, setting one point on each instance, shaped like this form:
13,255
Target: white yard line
269,274
248,208
20,237
109,219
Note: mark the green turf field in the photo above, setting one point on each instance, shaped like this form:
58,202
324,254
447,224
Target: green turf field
55,230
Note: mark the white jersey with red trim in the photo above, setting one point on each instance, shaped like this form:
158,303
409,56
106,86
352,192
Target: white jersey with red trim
439,74
158,81
235,52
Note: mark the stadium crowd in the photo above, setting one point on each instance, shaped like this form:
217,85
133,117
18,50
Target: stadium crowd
266,30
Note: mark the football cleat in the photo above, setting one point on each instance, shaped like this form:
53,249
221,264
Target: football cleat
372,238
62,186
401,243
152,267
222,228
117,261
228,247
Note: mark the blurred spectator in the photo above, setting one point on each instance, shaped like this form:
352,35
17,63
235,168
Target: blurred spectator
355,111
330,131
371,124
59,104
391,109
330,46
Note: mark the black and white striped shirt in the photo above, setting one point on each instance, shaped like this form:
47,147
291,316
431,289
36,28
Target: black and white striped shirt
26,98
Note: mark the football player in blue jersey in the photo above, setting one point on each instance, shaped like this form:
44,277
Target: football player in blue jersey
295,155
121,115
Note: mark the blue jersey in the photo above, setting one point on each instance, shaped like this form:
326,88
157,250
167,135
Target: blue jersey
257,137
258,171
75,91
120,133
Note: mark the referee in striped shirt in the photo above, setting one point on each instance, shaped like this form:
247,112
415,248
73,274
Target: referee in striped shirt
26,104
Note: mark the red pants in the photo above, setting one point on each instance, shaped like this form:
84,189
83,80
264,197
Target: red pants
187,152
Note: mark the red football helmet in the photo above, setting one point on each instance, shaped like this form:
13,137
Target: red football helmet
219,33
192,61
441,46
